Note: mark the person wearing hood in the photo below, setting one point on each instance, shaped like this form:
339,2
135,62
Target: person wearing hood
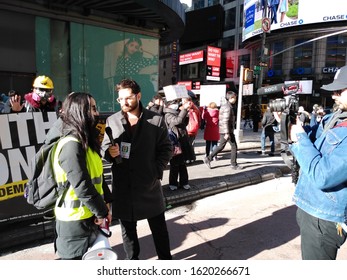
226,131
156,104
321,189
176,118
77,165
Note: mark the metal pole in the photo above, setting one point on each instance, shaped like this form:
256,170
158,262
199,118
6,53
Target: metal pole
238,131
262,54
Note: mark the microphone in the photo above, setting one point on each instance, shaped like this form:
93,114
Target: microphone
108,130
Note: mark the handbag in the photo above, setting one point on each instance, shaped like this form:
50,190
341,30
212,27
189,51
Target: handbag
176,145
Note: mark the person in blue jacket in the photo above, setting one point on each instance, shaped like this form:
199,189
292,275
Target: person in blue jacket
321,190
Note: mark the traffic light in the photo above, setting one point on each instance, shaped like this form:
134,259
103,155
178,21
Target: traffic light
247,75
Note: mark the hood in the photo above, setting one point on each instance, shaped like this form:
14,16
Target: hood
170,111
55,132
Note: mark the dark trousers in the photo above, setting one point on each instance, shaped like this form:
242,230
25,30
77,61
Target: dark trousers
319,238
221,146
191,139
210,146
178,172
160,236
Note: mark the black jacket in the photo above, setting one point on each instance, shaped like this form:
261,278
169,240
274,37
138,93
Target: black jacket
136,184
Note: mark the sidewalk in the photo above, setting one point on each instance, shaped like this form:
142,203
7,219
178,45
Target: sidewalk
220,177
203,181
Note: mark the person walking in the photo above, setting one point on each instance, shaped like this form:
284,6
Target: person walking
139,150
211,132
176,119
321,190
268,122
226,131
77,164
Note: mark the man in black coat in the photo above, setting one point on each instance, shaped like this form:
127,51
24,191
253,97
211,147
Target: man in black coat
139,152
226,131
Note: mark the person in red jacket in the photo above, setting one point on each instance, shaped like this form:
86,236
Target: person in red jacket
211,133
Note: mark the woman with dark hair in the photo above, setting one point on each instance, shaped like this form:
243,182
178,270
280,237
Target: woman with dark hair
131,61
78,168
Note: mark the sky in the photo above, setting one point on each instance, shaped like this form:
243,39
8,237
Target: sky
188,2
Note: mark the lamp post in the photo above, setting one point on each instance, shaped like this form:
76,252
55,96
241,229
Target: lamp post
238,131
266,26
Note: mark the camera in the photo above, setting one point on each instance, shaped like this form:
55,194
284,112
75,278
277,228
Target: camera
288,107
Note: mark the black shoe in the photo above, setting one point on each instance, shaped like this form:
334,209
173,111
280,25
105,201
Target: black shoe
236,167
271,154
207,162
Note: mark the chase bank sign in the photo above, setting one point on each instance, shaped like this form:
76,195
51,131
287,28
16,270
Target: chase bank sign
329,70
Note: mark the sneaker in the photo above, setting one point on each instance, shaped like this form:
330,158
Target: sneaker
263,153
236,167
215,159
186,187
207,162
172,187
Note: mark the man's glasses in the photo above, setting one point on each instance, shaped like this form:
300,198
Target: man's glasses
120,100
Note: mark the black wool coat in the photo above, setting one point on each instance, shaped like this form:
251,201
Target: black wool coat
136,181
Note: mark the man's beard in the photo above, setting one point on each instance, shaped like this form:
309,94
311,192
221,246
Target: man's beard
130,108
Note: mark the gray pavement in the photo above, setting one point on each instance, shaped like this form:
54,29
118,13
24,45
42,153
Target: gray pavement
205,182
221,177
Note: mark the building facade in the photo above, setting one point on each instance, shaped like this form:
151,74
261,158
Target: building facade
86,45
299,45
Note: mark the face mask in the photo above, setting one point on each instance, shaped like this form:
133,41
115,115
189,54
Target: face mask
96,120
173,106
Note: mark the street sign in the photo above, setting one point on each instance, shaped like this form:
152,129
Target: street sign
265,24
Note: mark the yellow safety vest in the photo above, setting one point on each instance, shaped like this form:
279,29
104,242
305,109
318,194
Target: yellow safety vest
68,207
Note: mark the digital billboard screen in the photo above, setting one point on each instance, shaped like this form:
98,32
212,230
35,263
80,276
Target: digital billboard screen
290,13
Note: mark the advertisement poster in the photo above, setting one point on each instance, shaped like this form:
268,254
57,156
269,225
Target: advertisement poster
289,13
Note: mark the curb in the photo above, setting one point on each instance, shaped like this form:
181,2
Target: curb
230,182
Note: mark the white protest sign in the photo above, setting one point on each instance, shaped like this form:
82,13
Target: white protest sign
212,93
175,92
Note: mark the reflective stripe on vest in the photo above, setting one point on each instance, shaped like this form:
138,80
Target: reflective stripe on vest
68,206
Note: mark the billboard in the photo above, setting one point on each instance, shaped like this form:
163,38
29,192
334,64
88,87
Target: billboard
289,14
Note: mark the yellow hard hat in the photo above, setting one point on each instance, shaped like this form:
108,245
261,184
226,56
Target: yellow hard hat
43,82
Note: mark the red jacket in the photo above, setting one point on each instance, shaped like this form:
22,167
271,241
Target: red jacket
211,117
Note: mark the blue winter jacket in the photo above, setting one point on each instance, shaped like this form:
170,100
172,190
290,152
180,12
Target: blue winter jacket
321,189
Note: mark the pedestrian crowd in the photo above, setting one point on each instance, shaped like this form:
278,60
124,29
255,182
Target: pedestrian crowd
141,141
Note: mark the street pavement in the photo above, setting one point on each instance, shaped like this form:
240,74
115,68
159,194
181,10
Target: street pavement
212,184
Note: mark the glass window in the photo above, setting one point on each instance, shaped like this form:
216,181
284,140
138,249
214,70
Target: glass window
336,51
212,2
228,43
190,71
276,62
303,54
230,16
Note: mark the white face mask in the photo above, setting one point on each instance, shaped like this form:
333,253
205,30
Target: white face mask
173,106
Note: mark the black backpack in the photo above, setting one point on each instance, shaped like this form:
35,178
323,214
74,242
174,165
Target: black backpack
42,190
